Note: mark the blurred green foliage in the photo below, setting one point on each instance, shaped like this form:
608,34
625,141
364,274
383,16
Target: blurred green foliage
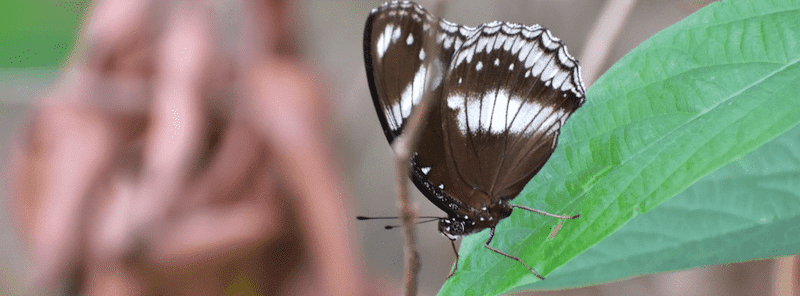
39,33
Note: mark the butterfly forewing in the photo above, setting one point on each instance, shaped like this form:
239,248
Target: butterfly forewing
394,52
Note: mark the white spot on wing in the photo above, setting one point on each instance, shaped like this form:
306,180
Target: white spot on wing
546,118
499,112
565,58
542,67
465,31
396,115
525,51
501,39
517,46
412,94
464,55
481,44
396,35
491,40
422,54
549,41
559,79
510,113
448,42
509,42
410,39
456,102
512,29
448,26
479,66
531,60
550,71
492,27
383,40
494,114
530,34
425,170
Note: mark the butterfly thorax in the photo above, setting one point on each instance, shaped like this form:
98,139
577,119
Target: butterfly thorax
473,220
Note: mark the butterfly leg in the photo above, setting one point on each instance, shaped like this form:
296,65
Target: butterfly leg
544,213
555,229
491,236
453,243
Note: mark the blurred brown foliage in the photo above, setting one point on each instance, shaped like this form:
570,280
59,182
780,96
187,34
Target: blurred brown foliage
166,162
238,193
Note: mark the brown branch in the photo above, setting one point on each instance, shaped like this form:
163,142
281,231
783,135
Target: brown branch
403,146
602,38
786,276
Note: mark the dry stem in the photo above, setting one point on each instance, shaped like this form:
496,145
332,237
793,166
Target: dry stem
602,38
403,146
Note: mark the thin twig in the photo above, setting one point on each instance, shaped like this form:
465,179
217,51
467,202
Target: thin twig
403,146
602,38
786,276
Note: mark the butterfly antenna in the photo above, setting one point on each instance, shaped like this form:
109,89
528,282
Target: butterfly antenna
376,218
373,218
427,219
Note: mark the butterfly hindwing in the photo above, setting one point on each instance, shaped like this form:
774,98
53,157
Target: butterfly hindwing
500,134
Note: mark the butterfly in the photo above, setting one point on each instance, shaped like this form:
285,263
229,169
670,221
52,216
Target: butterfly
506,90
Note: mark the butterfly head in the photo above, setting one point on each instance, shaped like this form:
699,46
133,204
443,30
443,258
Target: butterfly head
465,223
454,228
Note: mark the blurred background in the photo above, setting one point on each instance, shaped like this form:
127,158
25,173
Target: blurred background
37,39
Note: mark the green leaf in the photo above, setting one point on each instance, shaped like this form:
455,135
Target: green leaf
687,101
746,210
